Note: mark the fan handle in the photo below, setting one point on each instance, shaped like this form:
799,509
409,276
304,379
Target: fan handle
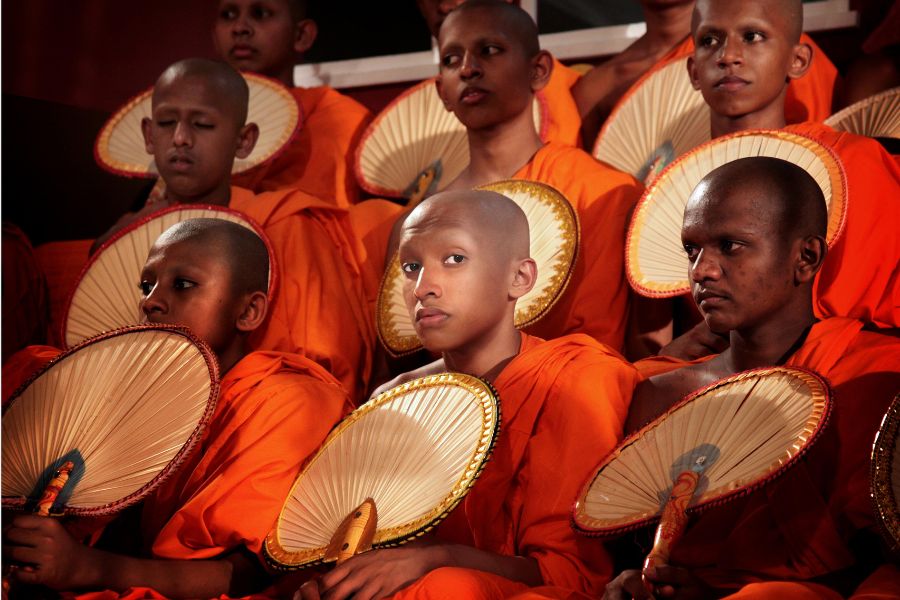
672,522
355,533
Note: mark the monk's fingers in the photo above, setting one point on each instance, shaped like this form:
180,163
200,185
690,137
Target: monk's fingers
308,591
627,585
668,575
31,522
372,590
24,555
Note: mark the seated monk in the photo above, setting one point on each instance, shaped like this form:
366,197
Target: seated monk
269,38
196,130
754,232
511,532
203,527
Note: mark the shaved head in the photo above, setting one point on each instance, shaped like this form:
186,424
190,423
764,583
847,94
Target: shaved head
509,18
240,248
222,82
787,13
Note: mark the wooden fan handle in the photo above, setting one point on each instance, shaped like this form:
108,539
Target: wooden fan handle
672,522
51,492
355,533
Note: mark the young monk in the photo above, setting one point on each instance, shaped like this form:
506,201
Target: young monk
557,399
196,129
204,526
491,67
754,231
269,37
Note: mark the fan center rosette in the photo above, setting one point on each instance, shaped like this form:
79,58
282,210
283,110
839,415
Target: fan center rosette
738,434
414,450
885,474
554,237
655,261
107,296
124,408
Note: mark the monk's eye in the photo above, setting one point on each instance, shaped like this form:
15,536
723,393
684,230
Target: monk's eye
450,60
146,287
229,13
691,251
491,50
707,41
411,267
183,284
165,122
752,37
203,125
454,259
262,12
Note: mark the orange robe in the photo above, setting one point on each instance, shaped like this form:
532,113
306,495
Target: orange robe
318,160
861,276
563,404
596,299
564,121
22,365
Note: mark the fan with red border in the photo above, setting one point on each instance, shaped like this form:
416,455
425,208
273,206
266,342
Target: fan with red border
875,116
885,474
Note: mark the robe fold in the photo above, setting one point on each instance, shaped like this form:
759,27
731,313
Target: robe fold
372,221
26,304
62,263
564,120
22,365
318,160
595,301
562,404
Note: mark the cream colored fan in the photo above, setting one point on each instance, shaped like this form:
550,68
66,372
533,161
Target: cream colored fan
875,116
107,295
415,147
120,145
123,409
393,469
660,118
655,261
554,232
885,474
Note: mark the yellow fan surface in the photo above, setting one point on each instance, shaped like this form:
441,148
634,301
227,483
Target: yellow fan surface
885,473
120,144
415,450
410,135
125,405
662,117
746,428
554,235
875,116
107,295
655,261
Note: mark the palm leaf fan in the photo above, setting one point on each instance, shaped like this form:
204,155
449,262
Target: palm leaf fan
554,235
120,145
415,146
885,474
402,461
660,118
107,296
875,116
655,261
123,409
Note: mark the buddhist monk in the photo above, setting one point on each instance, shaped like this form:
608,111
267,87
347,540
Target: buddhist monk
511,532
269,37
754,232
204,526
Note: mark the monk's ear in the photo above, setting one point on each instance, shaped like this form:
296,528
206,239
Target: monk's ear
812,253
801,60
541,70
305,33
439,84
256,306
524,278
146,126
247,137
692,73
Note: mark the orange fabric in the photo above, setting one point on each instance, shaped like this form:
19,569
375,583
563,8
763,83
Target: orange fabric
861,274
564,123
22,365
452,583
319,158
372,221
62,263
883,584
563,404
786,590
596,299
320,308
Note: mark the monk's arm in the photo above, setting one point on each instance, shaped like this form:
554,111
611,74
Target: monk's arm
523,569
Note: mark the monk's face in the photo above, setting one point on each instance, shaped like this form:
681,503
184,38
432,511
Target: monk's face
256,35
485,76
435,11
742,56
194,135
190,283
741,267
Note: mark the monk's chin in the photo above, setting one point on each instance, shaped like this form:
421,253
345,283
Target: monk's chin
716,325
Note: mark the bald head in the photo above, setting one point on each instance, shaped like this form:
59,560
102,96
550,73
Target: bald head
787,14
507,18
220,80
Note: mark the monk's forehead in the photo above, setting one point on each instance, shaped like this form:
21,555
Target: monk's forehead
197,90
724,13
497,18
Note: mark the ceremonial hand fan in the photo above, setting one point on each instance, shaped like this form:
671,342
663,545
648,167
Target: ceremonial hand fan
120,145
123,410
107,295
655,261
391,471
718,443
660,118
554,235
885,474
415,146
875,116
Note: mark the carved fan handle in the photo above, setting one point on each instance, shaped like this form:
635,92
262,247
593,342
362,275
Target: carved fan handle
355,533
672,522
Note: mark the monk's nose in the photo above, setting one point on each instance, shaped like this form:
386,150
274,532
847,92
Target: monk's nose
426,285
470,66
153,303
730,53
182,135
241,26
704,268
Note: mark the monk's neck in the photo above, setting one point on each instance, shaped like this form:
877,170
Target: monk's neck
488,356
230,356
220,196
769,117
767,345
499,152
667,27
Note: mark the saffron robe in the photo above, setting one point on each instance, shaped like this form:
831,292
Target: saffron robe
319,159
564,121
563,404
596,300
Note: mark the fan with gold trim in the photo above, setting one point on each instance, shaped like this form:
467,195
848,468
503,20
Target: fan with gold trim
107,296
885,474
554,236
390,472
655,261
875,116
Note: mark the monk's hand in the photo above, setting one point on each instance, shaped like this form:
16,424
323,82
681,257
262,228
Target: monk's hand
700,341
47,554
677,583
627,585
375,574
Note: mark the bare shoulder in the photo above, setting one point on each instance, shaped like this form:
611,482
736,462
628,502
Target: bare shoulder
431,368
656,395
